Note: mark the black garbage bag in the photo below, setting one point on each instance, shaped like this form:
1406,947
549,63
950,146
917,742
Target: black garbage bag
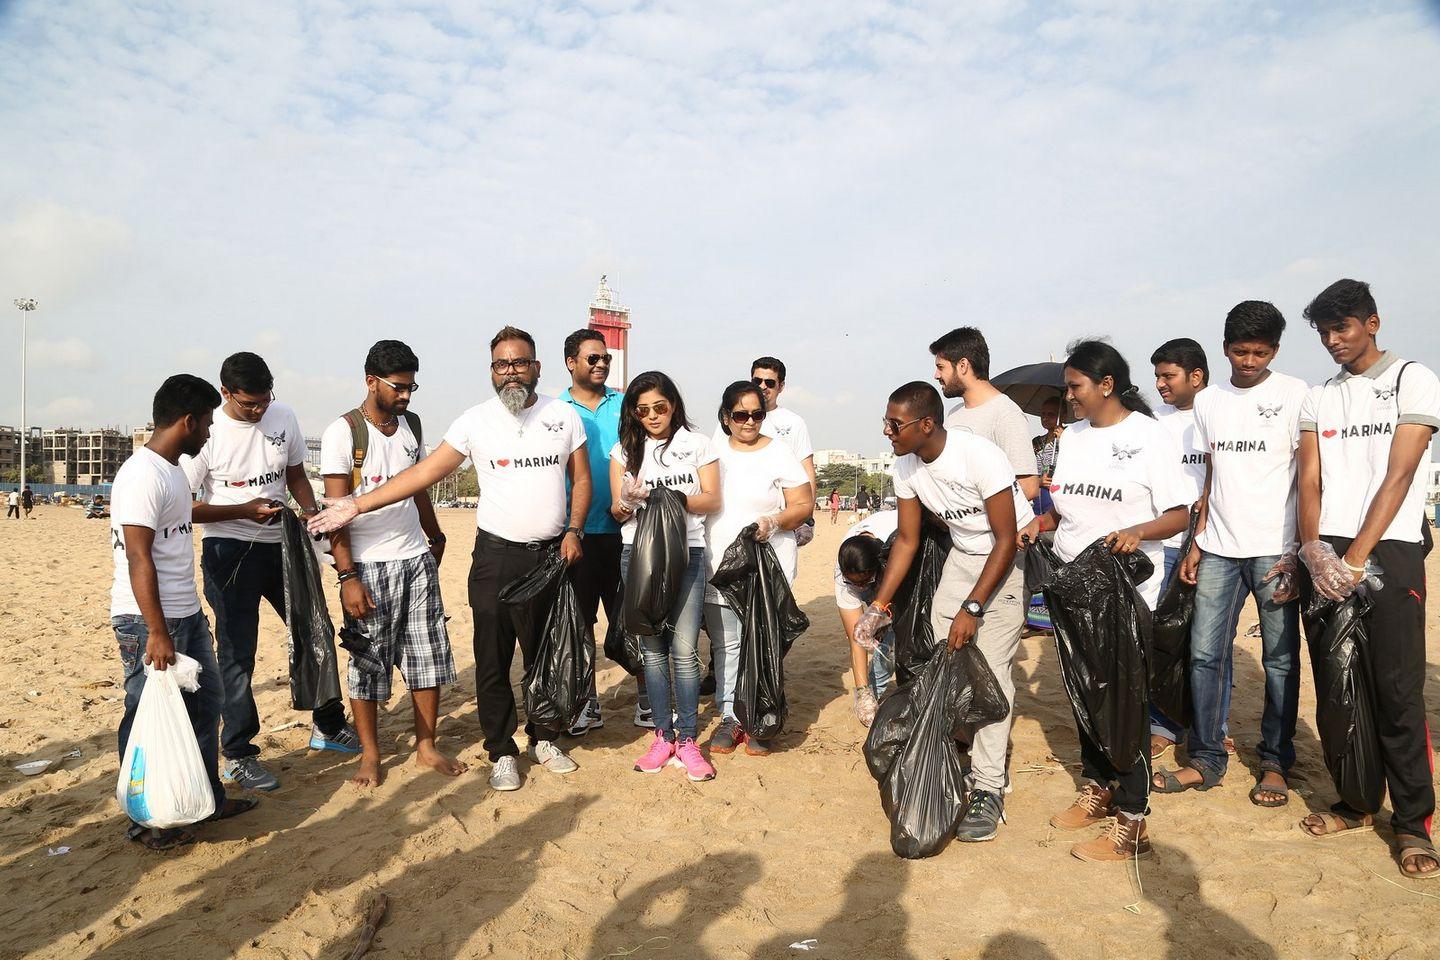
557,680
1170,643
1102,632
1344,699
622,646
912,753
914,637
314,676
754,585
658,559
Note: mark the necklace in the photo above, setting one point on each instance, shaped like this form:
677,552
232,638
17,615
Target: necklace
524,420
379,426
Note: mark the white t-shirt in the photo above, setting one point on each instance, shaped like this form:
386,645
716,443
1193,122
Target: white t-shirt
1251,435
1114,477
150,491
956,485
781,424
242,461
521,465
881,526
13,499
393,532
753,485
1355,417
675,465
1194,456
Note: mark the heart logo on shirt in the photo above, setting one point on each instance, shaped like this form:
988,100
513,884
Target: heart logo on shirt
1328,433
375,479
237,483
1054,488
503,463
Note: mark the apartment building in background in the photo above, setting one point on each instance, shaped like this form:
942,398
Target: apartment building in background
10,448
84,456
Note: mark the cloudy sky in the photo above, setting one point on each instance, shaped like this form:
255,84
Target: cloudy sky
835,183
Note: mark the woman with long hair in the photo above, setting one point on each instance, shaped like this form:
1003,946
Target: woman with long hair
658,448
762,483
1119,480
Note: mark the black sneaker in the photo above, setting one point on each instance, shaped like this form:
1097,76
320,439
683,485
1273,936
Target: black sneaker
707,685
984,812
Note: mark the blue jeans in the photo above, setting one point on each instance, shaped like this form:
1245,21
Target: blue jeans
1223,586
723,625
1161,725
191,636
882,663
679,643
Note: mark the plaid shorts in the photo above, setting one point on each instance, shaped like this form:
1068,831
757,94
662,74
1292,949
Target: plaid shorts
406,629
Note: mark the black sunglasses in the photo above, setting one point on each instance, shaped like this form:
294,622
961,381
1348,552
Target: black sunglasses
745,416
595,359
765,382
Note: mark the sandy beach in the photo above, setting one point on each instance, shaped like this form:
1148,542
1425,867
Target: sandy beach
785,856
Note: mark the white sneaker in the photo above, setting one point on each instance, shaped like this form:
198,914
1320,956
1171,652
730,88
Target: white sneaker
643,717
505,776
552,758
589,720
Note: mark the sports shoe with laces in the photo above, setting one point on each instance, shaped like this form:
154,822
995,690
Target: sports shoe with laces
643,718
249,774
728,737
345,740
505,776
1092,806
589,720
659,754
551,757
1125,840
689,758
984,812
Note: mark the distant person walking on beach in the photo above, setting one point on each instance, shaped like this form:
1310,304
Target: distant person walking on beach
834,506
12,505
27,500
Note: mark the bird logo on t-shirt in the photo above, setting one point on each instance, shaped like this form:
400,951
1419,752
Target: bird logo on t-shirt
1269,412
1122,454
555,427
277,441
413,453
1385,393
782,431
956,486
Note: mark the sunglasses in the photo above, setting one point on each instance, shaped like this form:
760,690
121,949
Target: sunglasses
745,416
659,409
891,425
595,359
512,366
400,387
765,382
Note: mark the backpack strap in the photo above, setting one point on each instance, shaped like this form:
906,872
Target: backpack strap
359,444
414,420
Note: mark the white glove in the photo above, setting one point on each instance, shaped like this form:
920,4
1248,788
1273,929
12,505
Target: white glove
767,527
865,705
633,493
1283,573
871,626
1328,572
337,513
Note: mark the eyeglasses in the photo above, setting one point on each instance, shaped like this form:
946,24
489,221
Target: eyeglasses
400,387
512,366
745,416
765,382
253,406
891,425
595,359
659,409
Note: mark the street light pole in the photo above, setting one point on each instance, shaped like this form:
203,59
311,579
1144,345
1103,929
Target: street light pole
26,306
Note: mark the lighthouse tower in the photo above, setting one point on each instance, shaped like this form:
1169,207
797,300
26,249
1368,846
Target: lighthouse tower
612,321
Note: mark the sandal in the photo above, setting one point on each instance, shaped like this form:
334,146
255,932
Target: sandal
1417,848
1336,824
159,840
1157,754
1270,766
233,807
1169,783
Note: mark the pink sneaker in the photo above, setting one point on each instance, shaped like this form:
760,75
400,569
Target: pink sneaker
688,756
661,750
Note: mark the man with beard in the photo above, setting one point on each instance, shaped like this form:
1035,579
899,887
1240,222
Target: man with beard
962,368
388,563
523,447
256,452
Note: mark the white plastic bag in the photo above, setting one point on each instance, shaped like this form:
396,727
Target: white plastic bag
163,782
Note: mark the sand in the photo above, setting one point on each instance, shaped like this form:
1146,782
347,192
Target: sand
789,849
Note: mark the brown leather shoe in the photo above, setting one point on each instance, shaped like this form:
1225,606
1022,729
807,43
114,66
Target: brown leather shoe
1125,840
1092,806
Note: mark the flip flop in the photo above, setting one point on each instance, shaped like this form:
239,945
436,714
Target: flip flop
1157,754
1255,791
1172,784
1413,848
233,807
1338,824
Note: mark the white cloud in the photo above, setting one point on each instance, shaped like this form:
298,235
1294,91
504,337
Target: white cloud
71,353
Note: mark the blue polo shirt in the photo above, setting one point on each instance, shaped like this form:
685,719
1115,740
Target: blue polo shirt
602,432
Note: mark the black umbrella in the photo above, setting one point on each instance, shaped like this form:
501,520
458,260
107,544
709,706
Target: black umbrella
1033,384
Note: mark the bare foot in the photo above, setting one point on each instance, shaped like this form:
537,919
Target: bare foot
1158,746
370,775
428,756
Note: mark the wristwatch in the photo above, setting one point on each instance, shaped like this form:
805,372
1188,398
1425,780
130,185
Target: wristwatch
974,608
579,533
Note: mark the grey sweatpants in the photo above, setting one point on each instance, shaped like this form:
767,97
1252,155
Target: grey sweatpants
997,640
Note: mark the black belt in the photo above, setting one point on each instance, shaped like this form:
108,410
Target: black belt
482,536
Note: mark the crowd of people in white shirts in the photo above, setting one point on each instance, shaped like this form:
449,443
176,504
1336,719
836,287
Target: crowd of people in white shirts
1293,489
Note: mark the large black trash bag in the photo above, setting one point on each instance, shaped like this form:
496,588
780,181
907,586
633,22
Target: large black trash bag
1344,700
914,637
314,676
557,681
1102,632
1170,643
912,753
754,585
658,559
622,646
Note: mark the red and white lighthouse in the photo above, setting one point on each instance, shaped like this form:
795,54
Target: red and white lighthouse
612,321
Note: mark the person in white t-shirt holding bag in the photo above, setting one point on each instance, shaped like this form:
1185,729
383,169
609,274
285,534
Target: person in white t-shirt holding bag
1249,422
1119,481
761,482
659,448
255,455
969,483
388,563
1364,435
154,608
523,446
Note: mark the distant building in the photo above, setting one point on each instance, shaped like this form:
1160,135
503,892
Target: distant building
612,321
10,449
824,458
84,456
141,436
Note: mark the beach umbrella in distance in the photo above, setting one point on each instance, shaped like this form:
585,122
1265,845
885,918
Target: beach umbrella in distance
1034,383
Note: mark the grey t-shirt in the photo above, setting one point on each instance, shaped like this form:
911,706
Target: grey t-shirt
1002,422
